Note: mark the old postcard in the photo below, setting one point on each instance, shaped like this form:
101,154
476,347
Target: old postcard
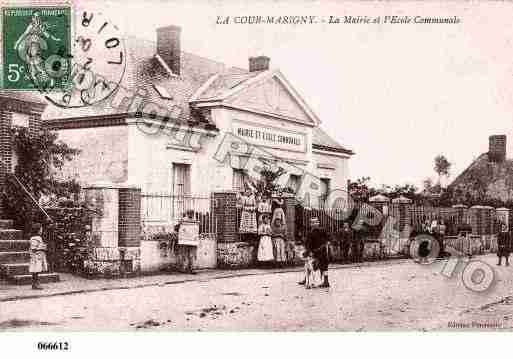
255,166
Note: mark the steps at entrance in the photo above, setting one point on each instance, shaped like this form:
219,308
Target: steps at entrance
6,223
10,269
7,234
27,278
10,245
15,257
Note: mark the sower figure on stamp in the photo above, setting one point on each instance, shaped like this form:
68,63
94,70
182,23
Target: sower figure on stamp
30,46
317,243
504,244
38,261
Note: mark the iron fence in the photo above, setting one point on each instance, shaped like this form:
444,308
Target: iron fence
165,208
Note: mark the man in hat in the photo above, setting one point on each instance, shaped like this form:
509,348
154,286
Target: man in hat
317,243
504,245
358,242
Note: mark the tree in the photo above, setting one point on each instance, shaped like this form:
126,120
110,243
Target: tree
359,190
428,185
442,167
407,190
266,182
40,156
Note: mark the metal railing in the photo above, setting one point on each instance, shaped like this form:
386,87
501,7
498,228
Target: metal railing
165,208
29,195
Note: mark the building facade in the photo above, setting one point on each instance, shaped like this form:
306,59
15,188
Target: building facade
172,126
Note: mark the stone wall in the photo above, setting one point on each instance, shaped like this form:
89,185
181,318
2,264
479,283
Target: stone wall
111,261
157,256
236,254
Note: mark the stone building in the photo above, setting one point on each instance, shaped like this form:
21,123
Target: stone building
489,176
206,100
180,128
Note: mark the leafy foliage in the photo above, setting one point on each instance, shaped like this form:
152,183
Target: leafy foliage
360,190
442,167
266,183
69,236
39,156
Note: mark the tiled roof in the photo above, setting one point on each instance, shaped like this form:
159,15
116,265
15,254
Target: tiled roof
143,71
30,96
322,141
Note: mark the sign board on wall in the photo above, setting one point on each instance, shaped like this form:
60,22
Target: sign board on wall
269,136
188,234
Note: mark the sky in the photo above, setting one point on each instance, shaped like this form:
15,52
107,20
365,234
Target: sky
396,94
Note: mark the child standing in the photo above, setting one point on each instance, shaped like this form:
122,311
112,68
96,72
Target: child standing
38,261
265,247
279,238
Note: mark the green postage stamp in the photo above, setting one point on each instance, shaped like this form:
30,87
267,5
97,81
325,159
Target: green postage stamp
36,48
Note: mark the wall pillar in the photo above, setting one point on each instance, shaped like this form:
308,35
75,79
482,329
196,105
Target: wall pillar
231,251
461,211
225,211
116,230
504,216
290,216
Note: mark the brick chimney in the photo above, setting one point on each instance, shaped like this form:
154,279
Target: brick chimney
259,63
497,148
169,47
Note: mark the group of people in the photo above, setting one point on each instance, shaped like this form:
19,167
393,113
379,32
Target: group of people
435,228
263,215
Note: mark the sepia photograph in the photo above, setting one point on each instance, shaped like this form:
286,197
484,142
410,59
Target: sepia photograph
266,166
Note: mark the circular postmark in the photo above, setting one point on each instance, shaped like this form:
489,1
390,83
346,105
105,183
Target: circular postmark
91,72
478,276
424,249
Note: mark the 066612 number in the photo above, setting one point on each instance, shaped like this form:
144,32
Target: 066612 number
53,346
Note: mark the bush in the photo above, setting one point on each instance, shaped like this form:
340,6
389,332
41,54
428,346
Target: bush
69,237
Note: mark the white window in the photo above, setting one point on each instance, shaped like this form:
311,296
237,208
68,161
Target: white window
20,120
238,180
163,92
181,199
324,190
181,179
294,182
